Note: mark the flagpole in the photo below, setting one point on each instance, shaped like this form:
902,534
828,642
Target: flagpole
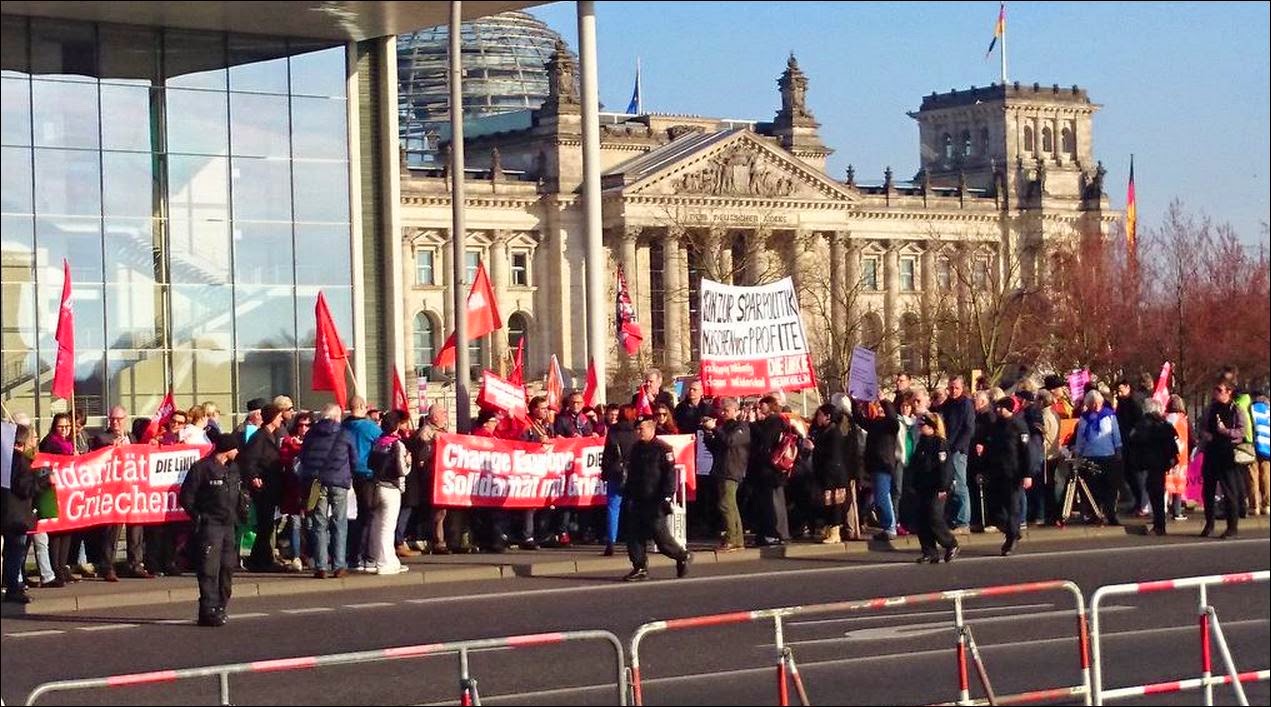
639,90
1003,57
7,415
357,389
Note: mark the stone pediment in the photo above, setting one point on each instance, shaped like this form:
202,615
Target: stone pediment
741,165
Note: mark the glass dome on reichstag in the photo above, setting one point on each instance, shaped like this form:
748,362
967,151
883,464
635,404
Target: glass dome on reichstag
503,61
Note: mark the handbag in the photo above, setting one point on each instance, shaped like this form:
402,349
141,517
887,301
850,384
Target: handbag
314,495
1244,453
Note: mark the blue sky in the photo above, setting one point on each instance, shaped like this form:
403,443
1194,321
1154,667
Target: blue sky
1184,86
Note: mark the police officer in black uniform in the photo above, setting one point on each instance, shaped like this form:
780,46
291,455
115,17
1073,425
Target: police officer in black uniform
212,495
648,492
1006,458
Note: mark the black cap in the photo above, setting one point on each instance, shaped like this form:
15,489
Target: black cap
1007,403
1053,381
256,404
226,443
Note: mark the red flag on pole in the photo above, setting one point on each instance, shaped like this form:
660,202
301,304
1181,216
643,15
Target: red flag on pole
1131,214
483,316
1161,392
64,370
555,387
330,358
629,334
400,401
589,391
517,376
160,418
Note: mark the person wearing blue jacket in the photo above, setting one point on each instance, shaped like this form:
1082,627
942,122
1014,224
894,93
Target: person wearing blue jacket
1098,438
327,457
362,432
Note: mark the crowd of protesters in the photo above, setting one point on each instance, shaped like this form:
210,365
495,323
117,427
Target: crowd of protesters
331,492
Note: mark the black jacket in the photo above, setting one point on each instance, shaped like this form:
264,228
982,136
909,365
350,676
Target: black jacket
567,425
832,457
1006,456
1153,445
105,438
688,417
212,492
617,455
651,472
1129,412
327,454
765,435
930,469
260,459
959,423
19,499
880,442
729,444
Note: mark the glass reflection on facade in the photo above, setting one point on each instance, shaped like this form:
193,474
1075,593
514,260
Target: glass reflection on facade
197,183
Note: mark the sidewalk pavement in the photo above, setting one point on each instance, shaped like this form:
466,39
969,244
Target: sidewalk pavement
433,569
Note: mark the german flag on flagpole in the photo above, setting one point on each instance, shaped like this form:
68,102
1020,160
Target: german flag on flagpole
1131,214
999,31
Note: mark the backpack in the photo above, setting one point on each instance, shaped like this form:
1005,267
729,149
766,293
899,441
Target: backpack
383,460
786,452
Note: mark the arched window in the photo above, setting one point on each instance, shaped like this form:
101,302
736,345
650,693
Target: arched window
948,147
872,331
1048,140
967,148
1028,138
911,344
425,345
518,329
1068,144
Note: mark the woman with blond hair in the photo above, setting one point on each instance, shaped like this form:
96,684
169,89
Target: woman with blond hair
1176,477
195,430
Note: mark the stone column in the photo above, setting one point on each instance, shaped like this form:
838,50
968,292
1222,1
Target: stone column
756,257
630,236
852,289
444,277
891,302
673,294
499,267
929,300
725,256
685,319
838,286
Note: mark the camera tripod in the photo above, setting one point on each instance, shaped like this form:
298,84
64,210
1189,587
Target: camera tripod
1078,485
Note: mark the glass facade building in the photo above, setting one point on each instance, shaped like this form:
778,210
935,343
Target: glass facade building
198,185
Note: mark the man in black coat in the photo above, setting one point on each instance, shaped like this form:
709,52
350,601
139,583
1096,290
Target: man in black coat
212,495
1129,409
262,473
1006,459
767,483
959,423
648,493
729,444
689,413
18,515
1154,449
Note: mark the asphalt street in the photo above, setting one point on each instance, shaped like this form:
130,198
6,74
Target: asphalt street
902,655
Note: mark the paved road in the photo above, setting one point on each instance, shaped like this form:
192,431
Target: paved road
899,656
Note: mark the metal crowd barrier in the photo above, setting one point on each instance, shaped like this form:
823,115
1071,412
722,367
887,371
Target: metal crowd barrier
788,671
468,693
1209,625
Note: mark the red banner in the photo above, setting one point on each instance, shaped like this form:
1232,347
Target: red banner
501,395
485,472
130,483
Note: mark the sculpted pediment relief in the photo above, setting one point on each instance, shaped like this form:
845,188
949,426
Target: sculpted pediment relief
744,169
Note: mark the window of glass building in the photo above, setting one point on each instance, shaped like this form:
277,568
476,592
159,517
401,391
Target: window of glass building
162,164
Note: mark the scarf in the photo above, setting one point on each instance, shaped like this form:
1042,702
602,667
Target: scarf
1094,420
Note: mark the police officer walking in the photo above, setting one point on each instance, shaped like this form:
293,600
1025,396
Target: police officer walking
212,495
1006,460
648,492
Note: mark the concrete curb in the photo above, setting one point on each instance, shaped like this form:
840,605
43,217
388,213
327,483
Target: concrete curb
247,586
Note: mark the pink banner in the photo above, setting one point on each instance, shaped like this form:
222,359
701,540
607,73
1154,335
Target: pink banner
132,484
1077,381
486,472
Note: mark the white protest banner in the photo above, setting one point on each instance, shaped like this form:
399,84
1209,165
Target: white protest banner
862,377
753,339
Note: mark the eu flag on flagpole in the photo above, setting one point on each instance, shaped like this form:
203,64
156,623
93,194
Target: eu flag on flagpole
636,107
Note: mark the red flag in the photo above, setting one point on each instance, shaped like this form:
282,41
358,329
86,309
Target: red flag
1131,214
644,400
629,334
555,387
589,391
330,358
64,370
160,418
483,316
1161,392
517,375
400,401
